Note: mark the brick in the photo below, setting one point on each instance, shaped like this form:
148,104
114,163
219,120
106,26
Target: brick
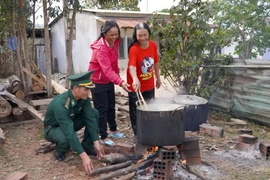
161,165
242,146
166,155
213,131
189,143
193,161
162,169
192,153
109,149
245,131
248,139
17,176
125,148
265,151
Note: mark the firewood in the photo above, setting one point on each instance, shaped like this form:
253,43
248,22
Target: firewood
127,177
127,170
17,111
37,87
114,158
14,81
2,136
5,107
20,94
17,176
111,167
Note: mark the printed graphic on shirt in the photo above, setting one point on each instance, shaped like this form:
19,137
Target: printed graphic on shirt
147,68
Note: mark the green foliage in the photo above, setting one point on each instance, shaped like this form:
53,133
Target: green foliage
246,22
125,5
186,42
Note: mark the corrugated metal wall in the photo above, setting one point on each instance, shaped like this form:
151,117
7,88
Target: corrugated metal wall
249,95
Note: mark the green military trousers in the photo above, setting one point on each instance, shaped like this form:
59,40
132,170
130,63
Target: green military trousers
56,135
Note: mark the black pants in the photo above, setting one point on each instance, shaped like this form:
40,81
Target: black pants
104,101
132,97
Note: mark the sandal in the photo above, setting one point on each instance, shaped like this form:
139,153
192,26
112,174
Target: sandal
108,142
117,135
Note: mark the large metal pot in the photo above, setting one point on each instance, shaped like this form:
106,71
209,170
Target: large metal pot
196,110
160,125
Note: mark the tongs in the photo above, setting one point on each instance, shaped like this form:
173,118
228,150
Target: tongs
141,100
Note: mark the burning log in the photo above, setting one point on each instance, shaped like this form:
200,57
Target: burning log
127,170
114,158
111,167
2,136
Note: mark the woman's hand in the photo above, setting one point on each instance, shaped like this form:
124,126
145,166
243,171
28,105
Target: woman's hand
125,86
136,84
158,83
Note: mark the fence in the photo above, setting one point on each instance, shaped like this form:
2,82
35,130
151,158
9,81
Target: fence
249,95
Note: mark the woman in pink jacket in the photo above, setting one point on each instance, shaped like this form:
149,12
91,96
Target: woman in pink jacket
104,62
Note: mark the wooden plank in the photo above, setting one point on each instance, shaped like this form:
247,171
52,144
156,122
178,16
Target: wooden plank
33,64
40,102
34,77
23,105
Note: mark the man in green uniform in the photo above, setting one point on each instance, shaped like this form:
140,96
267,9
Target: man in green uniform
70,112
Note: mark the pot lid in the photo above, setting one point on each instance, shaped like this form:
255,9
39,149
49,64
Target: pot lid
189,100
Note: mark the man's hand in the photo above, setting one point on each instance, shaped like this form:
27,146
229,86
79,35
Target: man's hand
87,163
99,150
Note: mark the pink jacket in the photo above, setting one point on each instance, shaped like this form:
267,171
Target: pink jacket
104,62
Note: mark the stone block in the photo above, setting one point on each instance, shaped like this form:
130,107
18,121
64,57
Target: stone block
213,131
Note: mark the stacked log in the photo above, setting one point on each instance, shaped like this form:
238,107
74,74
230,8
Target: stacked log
5,107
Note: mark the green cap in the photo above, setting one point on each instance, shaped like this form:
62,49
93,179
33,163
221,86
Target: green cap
82,79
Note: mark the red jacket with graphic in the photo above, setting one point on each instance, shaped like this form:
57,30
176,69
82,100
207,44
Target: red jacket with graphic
104,62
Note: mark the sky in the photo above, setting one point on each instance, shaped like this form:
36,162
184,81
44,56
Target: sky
145,6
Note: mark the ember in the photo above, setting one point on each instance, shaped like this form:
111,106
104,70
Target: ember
151,151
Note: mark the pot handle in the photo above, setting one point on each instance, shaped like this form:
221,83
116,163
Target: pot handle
183,107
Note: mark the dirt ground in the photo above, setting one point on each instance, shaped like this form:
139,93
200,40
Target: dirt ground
220,159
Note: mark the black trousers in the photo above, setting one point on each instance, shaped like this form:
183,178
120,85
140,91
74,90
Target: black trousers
132,97
104,101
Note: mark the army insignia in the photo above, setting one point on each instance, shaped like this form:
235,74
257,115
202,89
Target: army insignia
72,102
67,103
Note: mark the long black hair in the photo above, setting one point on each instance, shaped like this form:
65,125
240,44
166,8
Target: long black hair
107,25
141,25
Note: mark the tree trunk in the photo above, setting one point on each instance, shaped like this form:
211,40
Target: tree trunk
18,56
70,69
47,50
24,43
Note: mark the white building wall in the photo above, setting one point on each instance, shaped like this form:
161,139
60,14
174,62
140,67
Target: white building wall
230,50
58,45
86,34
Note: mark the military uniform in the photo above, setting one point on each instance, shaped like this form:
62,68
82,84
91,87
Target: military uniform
64,116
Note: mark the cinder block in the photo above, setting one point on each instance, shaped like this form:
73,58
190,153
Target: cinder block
192,153
161,165
166,155
242,146
110,149
189,143
245,131
17,176
125,148
265,151
193,161
211,130
163,175
248,139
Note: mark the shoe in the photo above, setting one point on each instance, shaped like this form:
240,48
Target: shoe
59,156
108,142
91,152
117,135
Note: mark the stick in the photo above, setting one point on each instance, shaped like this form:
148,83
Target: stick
111,167
139,101
125,171
140,93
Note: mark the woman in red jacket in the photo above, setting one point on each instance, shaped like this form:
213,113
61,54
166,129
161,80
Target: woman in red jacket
104,62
